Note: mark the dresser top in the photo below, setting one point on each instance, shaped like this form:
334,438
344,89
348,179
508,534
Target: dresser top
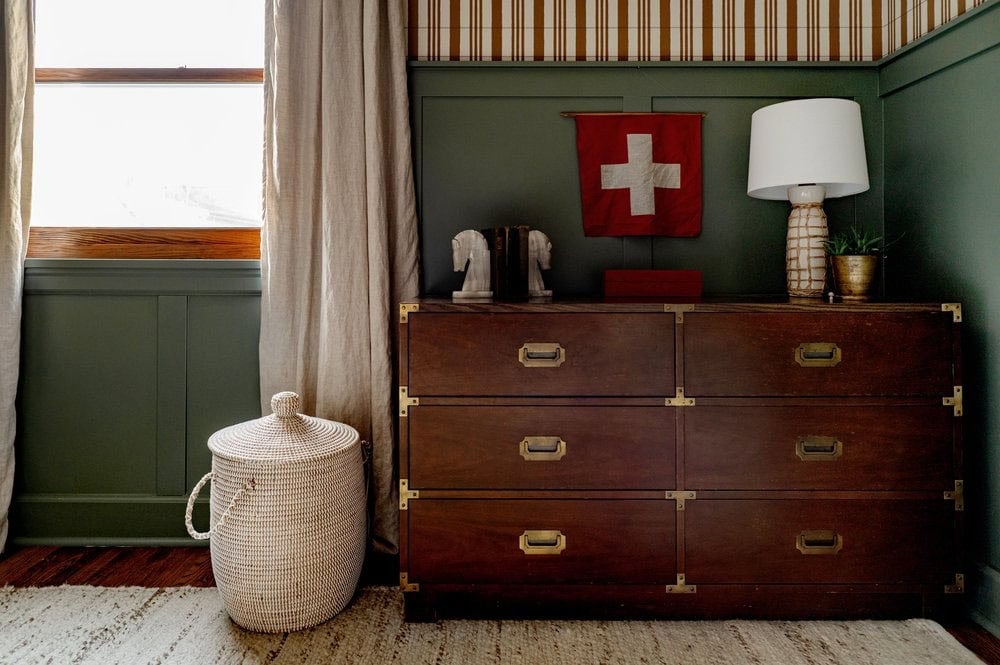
443,305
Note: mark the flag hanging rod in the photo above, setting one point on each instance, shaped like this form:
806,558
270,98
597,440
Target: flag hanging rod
573,114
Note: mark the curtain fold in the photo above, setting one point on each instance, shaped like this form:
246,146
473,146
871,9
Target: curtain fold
15,190
339,240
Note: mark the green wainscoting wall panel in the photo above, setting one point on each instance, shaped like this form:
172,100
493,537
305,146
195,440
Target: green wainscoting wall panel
128,367
942,159
223,388
89,377
491,148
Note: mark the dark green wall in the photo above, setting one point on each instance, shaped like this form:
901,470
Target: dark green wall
941,105
491,148
127,368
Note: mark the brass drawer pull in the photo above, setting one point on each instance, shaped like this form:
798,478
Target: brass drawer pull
819,542
543,448
817,354
819,449
543,542
541,354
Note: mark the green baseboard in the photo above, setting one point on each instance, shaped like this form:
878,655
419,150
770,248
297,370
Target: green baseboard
985,598
103,519
107,542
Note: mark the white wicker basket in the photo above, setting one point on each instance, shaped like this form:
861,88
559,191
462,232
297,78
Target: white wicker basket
288,518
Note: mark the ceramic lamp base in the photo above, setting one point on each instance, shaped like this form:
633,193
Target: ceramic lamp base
805,248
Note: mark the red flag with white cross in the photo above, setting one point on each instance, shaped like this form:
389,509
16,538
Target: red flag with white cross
640,173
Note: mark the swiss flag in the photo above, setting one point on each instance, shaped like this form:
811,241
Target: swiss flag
640,173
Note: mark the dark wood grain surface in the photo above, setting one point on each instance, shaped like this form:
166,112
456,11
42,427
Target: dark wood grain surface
883,447
754,541
478,447
736,446
477,354
477,541
733,304
753,354
107,566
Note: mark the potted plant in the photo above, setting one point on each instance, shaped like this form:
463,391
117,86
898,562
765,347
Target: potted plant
854,257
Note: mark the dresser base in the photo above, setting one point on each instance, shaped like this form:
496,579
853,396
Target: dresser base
435,602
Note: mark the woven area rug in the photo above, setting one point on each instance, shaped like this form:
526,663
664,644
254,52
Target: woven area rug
81,624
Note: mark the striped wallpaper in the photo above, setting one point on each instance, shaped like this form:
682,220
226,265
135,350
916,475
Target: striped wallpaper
671,29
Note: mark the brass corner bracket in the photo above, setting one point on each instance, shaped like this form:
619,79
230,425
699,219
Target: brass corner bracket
405,402
682,586
679,399
955,400
405,309
406,494
956,310
958,586
405,585
680,496
958,495
678,311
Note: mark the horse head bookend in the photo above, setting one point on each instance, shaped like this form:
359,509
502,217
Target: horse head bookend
471,253
539,258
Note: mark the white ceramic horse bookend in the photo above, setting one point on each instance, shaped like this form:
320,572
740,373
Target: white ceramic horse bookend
539,258
471,253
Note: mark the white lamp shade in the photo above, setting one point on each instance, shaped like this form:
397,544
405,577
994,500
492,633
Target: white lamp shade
807,142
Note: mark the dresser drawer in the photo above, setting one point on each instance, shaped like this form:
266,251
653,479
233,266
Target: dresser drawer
484,541
788,354
796,541
550,354
541,447
822,448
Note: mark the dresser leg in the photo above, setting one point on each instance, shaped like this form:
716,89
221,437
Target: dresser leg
419,607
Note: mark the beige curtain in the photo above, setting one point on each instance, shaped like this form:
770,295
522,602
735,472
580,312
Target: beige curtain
339,242
18,94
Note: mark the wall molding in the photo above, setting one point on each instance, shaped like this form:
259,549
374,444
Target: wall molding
974,33
141,277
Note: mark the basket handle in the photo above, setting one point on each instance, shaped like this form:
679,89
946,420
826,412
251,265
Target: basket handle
198,535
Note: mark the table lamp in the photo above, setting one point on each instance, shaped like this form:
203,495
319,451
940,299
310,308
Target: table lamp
804,151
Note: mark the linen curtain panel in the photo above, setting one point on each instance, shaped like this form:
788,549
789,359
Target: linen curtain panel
339,240
15,188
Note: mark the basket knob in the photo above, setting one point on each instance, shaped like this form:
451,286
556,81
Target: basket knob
285,404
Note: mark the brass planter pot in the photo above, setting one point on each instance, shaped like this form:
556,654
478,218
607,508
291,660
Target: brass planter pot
854,275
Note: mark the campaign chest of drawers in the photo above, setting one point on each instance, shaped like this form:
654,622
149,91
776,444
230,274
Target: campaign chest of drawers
689,460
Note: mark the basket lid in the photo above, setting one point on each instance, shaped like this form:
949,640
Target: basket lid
284,436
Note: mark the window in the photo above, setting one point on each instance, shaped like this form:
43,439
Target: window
148,129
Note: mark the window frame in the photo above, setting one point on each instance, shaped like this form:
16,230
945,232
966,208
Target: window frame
88,242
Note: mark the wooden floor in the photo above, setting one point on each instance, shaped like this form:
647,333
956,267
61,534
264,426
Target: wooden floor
191,566
107,566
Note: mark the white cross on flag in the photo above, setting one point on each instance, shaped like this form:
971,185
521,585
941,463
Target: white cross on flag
640,173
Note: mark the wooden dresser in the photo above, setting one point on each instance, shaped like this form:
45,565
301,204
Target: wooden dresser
695,460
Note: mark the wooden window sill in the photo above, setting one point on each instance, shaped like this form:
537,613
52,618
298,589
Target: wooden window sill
57,242
147,75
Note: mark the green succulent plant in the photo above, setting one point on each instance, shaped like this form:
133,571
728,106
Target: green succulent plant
854,241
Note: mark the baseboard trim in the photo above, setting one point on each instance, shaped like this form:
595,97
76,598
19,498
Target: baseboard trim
75,541
103,519
984,602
